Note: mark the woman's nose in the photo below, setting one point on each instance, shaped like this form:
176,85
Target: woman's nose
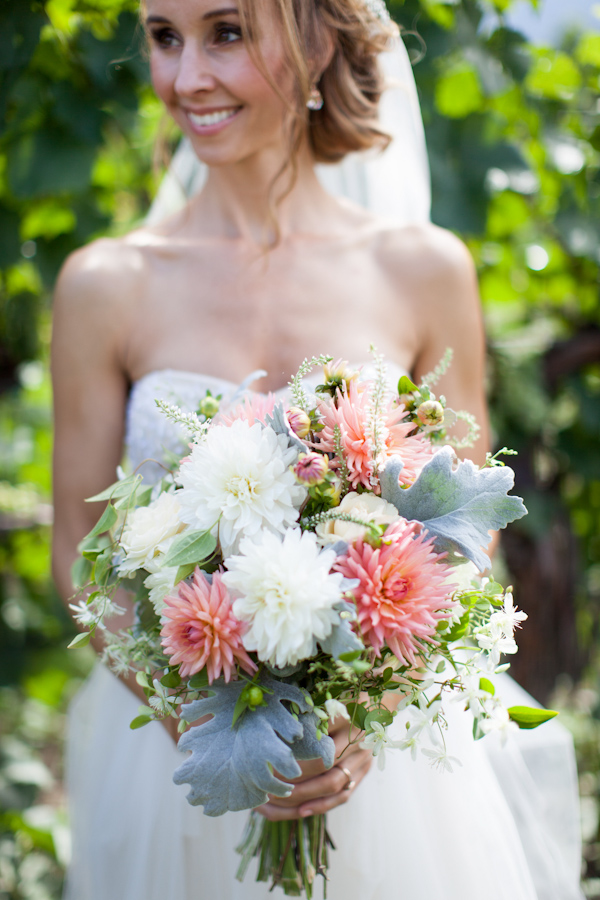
194,72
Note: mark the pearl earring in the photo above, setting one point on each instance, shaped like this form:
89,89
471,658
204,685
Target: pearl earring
315,99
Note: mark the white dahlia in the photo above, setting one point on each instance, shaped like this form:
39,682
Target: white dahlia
238,482
287,594
148,534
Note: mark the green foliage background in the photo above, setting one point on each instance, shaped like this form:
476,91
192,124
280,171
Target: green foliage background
514,139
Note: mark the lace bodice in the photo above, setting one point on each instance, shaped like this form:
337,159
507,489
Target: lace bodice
150,435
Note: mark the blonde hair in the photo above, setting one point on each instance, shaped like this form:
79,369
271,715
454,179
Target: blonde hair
332,45
350,81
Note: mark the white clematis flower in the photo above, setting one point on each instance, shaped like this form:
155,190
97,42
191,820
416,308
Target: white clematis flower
494,641
441,760
378,741
286,594
500,722
509,617
237,482
334,709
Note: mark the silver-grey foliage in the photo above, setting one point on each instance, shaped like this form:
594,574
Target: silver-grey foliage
277,421
459,505
231,767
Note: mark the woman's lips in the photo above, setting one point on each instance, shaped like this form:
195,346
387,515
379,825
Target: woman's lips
212,121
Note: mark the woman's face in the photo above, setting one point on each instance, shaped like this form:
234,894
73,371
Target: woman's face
204,74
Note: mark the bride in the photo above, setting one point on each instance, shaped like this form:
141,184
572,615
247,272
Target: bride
260,269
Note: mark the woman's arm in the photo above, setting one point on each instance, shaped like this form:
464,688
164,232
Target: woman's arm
95,296
90,391
450,317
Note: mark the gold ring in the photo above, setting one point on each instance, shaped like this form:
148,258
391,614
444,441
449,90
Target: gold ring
350,783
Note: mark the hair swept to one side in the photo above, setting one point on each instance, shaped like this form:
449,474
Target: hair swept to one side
350,81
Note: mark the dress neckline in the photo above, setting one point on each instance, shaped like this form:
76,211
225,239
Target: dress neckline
215,379
182,373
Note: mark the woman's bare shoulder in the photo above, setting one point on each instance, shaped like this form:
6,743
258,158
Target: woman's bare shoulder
427,256
109,273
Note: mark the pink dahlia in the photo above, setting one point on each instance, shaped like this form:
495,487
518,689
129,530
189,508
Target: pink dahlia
403,591
202,630
351,413
253,408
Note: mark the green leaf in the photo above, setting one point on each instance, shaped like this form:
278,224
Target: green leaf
458,630
361,666
81,571
358,714
239,709
82,640
184,572
199,681
108,518
588,50
142,679
458,92
191,547
486,685
49,162
102,567
140,721
530,717
171,680
383,716
554,75
349,657
406,386
144,497
119,489
92,554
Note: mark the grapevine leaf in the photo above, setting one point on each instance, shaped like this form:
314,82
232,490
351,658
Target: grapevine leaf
232,768
459,507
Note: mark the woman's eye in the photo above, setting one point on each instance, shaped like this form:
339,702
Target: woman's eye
165,37
227,34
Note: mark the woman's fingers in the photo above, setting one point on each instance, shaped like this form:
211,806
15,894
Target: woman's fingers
322,792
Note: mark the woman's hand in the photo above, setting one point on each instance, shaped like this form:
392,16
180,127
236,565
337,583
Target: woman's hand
319,789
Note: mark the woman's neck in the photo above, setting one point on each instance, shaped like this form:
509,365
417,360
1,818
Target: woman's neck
242,201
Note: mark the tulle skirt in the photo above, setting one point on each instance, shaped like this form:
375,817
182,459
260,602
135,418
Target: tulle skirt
504,825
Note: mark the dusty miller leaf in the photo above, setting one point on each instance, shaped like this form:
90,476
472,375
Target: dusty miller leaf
231,768
458,507
277,422
309,747
342,639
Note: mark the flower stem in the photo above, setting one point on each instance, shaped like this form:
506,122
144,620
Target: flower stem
290,853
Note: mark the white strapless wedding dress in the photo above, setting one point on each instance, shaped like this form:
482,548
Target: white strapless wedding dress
504,826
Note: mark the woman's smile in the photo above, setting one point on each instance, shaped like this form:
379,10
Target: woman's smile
212,121
205,72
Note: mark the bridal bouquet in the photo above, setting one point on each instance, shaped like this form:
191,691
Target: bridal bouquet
305,563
